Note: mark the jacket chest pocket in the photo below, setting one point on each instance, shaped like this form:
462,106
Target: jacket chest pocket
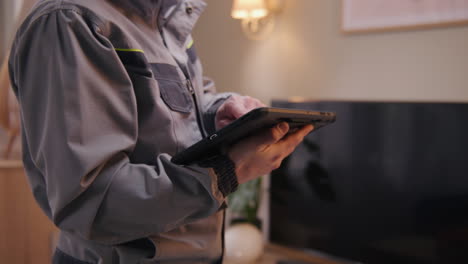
173,91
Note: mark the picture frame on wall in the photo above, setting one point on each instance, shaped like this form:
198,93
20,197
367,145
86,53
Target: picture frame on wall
361,16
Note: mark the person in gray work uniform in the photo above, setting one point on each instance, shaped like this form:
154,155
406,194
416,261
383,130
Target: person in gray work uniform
109,90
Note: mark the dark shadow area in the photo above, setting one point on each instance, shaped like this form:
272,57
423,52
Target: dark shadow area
387,183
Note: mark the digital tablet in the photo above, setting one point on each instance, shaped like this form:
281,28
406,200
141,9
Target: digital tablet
248,124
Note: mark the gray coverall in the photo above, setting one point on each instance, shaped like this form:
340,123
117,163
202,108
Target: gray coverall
106,99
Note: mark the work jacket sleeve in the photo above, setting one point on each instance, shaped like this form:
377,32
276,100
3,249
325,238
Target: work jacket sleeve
212,101
80,124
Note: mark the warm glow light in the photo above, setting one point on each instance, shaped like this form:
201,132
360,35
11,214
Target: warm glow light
249,9
257,16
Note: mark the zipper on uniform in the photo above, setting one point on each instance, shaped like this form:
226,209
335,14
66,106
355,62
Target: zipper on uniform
197,107
186,73
190,87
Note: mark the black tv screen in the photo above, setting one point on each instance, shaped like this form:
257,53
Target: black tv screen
386,183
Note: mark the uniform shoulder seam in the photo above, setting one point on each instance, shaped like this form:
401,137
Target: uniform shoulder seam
62,6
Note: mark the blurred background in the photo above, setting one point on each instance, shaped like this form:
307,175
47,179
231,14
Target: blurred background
308,55
303,55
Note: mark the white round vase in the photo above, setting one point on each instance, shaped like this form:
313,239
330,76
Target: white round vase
243,243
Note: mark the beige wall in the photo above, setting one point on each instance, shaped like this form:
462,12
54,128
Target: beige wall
308,56
9,9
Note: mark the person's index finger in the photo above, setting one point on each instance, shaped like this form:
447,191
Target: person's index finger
297,136
301,130
306,129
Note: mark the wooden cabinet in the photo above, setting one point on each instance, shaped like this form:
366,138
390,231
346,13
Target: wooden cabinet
25,232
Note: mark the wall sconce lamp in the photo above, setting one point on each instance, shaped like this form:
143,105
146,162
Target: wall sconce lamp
258,16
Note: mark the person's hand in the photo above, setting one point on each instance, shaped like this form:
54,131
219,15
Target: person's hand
261,153
233,108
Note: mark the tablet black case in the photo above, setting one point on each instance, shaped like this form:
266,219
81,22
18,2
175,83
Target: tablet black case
256,119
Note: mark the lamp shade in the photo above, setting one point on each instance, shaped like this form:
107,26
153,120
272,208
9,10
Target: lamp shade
246,9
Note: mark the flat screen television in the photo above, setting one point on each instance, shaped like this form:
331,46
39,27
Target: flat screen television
386,183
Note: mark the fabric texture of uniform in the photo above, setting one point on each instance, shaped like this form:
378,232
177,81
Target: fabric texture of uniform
106,99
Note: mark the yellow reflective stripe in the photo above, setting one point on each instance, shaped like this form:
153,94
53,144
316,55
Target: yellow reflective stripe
190,44
131,50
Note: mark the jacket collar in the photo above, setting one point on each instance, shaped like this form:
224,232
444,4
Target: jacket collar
167,10
178,17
